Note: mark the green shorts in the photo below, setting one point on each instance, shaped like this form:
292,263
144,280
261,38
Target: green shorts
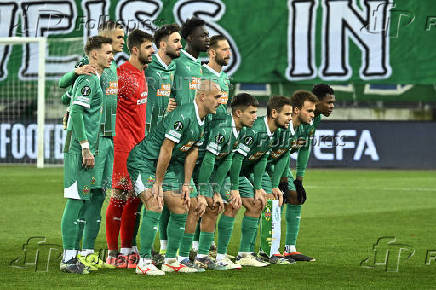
143,174
104,161
77,180
206,190
246,188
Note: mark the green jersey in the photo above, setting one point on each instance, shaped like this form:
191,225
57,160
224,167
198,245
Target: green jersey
222,79
187,78
160,79
252,153
307,133
182,126
87,94
109,86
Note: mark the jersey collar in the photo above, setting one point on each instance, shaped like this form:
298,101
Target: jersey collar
291,128
268,132
235,131
188,55
212,70
161,61
200,122
97,74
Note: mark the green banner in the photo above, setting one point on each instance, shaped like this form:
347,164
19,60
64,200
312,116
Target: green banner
287,42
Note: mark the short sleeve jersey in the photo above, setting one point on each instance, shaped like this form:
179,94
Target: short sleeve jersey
88,94
255,143
131,110
223,139
222,79
187,78
183,126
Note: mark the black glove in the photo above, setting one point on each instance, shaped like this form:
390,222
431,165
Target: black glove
301,192
283,186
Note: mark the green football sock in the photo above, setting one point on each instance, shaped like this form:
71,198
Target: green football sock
137,224
92,218
176,228
293,217
205,241
185,245
163,224
225,228
249,228
150,222
253,241
69,224
197,231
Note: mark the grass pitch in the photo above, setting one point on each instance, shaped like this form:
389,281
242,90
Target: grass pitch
347,211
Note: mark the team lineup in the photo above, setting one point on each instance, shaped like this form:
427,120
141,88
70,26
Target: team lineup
181,156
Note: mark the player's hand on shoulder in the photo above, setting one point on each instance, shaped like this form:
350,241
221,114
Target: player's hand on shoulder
85,70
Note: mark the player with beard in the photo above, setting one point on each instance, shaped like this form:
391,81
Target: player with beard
188,66
295,194
248,175
130,128
89,222
160,74
219,55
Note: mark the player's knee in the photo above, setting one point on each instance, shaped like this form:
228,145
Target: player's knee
212,211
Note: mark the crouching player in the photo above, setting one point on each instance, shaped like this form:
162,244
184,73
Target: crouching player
248,173
161,168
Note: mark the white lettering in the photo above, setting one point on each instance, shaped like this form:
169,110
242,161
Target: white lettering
18,147
366,141
324,141
4,139
342,144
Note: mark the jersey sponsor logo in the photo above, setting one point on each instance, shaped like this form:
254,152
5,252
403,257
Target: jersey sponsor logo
248,140
178,126
224,98
164,91
86,91
278,153
194,84
187,146
112,89
256,155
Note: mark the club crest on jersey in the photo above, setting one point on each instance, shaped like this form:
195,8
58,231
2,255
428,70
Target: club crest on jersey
178,126
248,140
150,179
93,180
219,139
86,91
85,189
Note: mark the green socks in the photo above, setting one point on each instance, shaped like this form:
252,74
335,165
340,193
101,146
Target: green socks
176,228
249,229
69,224
225,228
186,245
293,217
92,217
205,240
150,222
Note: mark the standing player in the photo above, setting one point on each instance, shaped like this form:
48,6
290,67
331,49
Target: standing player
160,78
248,173
161,169
160,73
215,161
80,148
130,128
90,219
188,67
219,54
294,190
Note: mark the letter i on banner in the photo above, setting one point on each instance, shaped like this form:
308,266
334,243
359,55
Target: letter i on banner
270,228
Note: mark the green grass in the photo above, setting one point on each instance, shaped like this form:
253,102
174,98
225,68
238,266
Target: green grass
346,212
